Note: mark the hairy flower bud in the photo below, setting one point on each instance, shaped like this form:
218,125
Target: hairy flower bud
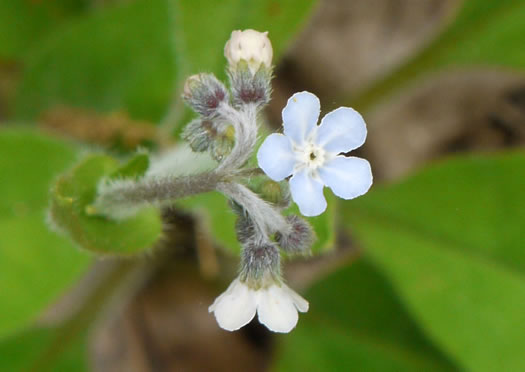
251,46
260,263
204,93
251,88
205,135
300,237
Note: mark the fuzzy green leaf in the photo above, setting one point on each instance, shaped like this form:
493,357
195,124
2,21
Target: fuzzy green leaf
133,169
72,197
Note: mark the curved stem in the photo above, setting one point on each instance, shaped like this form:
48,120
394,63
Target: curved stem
245,124
267,220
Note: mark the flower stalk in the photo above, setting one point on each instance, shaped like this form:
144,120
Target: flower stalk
227,128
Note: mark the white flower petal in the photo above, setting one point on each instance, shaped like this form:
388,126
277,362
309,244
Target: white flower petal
307,193
236,307
275,157
341,130
347,177
300,116
300,303
277,310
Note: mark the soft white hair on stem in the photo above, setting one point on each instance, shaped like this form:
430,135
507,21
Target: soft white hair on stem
123,198
244,122
266,219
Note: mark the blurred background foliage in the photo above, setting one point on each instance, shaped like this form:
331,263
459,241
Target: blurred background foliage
425,272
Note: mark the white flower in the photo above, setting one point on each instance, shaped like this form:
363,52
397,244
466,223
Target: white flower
276,305
311,153
252,46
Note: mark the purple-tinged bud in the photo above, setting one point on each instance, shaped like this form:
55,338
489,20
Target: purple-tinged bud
300,237
204,93
251,88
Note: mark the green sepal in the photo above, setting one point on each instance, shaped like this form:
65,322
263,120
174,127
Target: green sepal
74,193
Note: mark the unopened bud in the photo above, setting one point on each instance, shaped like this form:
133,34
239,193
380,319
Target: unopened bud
298,239
251,88
276,193
204,93
252,46
205,135
190,84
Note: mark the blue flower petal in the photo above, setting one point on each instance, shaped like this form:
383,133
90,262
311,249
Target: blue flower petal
275,157
300,116
307,193
347,177
341,130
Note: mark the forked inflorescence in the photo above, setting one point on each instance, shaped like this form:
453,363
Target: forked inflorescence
295,165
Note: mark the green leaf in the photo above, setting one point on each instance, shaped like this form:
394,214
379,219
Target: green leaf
64,347
136,57
115,59
24,23
30,351
451,241
483,33
36,265
72,197
356,322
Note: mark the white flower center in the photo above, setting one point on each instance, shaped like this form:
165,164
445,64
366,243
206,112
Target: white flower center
311,156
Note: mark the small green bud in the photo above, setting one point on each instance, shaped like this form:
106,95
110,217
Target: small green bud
205,135
272,191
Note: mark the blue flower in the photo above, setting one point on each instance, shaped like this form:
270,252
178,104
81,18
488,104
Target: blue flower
310,153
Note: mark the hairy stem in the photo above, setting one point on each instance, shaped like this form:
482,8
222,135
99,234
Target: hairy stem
122,199
266,219
245,124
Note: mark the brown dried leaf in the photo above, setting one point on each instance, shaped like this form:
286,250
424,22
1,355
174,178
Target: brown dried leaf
91,127
349,44
456,111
